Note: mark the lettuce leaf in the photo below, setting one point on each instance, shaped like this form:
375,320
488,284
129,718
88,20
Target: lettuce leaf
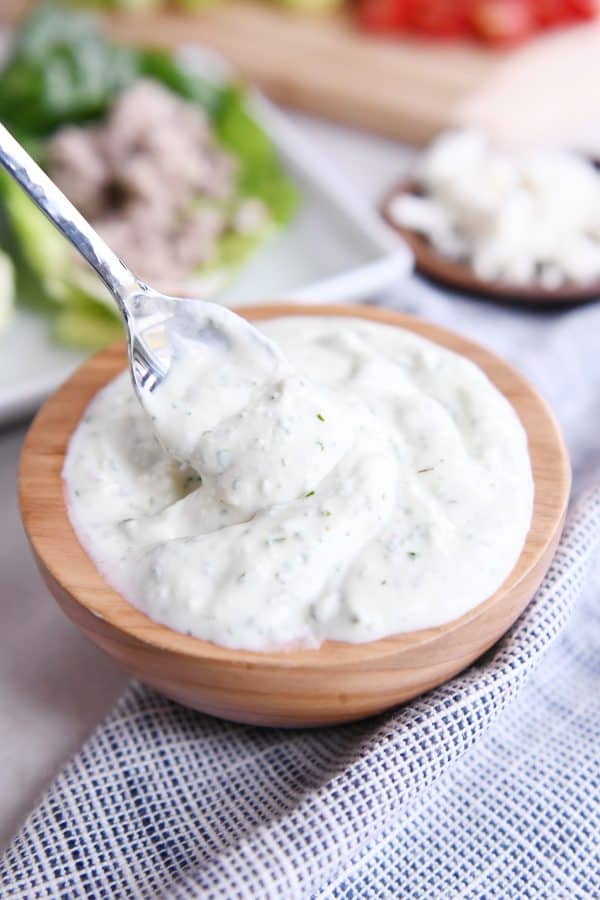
48,280
90,327
63,70
260,173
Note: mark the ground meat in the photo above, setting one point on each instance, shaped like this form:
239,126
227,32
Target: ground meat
154,182
201,229
77,166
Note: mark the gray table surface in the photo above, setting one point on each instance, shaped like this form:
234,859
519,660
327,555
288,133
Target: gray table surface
54,685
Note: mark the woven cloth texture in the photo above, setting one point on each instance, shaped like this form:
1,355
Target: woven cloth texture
489,786
165,802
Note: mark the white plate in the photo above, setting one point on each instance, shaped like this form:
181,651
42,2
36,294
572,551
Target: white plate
31,365
336,249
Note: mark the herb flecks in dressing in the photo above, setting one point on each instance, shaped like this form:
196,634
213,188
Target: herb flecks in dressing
375,484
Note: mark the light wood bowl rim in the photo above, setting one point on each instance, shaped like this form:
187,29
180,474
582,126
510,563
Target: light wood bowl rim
101,600
460,277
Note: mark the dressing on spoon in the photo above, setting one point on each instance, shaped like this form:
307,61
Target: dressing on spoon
235,411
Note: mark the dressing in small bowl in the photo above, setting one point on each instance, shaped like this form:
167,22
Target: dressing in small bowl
338,681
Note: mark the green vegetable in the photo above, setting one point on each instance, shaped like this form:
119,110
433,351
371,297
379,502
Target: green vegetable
143,5
162,67
44,251
63,70
194,4
47,278
128,5
311,6
90,327
234,248
260,172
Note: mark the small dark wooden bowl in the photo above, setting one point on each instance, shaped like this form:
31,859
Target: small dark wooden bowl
459,276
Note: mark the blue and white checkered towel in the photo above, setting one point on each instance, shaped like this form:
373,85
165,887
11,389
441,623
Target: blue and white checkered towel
486,787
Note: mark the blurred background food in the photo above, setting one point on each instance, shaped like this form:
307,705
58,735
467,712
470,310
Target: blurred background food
496,22
403,68
493,22
171,168
178,175
523,219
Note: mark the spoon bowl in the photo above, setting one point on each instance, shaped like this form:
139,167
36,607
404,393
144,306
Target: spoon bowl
162,325
336,683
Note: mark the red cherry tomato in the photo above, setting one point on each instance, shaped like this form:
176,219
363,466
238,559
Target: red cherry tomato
552,12
556,12
501,22
383,16
438,18
583,9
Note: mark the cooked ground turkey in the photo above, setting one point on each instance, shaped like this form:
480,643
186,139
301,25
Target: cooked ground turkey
154,183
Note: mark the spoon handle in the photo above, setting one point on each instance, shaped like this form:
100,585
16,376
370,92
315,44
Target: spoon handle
119,280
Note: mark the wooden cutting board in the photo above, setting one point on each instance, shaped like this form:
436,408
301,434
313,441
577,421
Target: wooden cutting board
406,89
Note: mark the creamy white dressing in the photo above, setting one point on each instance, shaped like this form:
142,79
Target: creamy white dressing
370,482
234,409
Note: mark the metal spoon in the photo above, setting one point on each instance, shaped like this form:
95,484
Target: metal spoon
154,322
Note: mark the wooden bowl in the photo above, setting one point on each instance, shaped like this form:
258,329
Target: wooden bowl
336,683
460,276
